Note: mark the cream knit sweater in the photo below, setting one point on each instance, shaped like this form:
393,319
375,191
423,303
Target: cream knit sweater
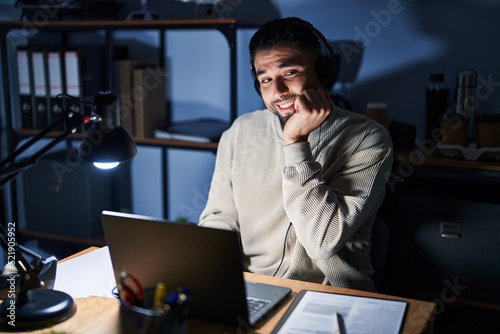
328,189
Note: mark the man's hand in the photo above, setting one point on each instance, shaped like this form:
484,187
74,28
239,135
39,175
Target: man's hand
312,107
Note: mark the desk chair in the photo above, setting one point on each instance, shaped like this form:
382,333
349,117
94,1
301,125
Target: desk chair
378,253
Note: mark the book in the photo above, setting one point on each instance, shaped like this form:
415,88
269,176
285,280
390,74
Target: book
149,101
203,130
124,82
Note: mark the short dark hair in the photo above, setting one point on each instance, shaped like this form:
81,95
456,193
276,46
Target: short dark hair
291,31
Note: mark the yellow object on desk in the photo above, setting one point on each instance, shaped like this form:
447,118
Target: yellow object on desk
160,294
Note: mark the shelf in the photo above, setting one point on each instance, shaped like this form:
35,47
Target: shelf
175,143
138,141
132,24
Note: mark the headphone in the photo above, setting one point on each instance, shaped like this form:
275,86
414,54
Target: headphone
327,68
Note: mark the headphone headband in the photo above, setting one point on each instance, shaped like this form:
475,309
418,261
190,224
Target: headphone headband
325,48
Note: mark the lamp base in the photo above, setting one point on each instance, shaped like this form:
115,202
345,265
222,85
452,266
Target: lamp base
42,308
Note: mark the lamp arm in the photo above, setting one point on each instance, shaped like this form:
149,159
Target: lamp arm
72,121
13,170
11,157
67,117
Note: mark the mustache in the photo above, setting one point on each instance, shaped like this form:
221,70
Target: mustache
286,97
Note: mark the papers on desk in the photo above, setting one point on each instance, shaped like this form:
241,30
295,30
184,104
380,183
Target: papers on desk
87,275
314,312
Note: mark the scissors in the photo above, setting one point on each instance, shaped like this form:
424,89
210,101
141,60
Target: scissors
130,291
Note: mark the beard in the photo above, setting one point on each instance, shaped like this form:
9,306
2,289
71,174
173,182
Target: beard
281,118
274,109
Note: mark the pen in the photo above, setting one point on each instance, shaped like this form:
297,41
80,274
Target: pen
159,297
336,323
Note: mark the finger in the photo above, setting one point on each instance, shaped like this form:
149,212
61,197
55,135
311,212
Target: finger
324,98
301,104
312,99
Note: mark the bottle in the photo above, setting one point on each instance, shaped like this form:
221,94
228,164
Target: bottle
465,102
437,102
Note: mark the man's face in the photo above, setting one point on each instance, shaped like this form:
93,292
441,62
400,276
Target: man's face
283,73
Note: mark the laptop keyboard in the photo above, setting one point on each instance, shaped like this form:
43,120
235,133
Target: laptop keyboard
255,305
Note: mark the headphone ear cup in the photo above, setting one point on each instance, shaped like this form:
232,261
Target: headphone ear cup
256,84
327,71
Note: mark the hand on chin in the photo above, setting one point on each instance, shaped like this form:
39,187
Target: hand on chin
309,110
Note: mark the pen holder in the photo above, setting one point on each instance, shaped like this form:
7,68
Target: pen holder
148,320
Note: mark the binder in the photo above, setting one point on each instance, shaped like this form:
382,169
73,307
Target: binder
54,73
40,118
24,88
84,73
92,70
71,70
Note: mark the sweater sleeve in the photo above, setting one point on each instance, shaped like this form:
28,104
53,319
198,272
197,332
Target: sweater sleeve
220,211
328,204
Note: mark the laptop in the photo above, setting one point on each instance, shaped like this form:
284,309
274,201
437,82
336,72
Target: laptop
205,260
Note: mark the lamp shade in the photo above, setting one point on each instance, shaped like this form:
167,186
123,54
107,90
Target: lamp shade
107,141
106,147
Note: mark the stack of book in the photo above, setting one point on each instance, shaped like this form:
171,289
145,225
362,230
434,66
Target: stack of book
141,85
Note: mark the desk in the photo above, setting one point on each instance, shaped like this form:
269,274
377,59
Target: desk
99,315
426,196
432,157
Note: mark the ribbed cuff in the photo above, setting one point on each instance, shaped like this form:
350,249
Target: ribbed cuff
297,153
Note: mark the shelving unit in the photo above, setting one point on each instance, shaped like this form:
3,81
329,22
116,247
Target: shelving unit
64,29
228,27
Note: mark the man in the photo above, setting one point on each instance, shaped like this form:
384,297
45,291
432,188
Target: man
302,180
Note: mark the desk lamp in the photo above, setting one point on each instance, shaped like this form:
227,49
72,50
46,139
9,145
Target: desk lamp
105,143
32,305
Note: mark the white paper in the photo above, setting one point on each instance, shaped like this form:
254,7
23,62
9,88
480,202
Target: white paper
315,314
87,275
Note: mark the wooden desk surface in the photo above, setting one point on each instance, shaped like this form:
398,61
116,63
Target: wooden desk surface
99,315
